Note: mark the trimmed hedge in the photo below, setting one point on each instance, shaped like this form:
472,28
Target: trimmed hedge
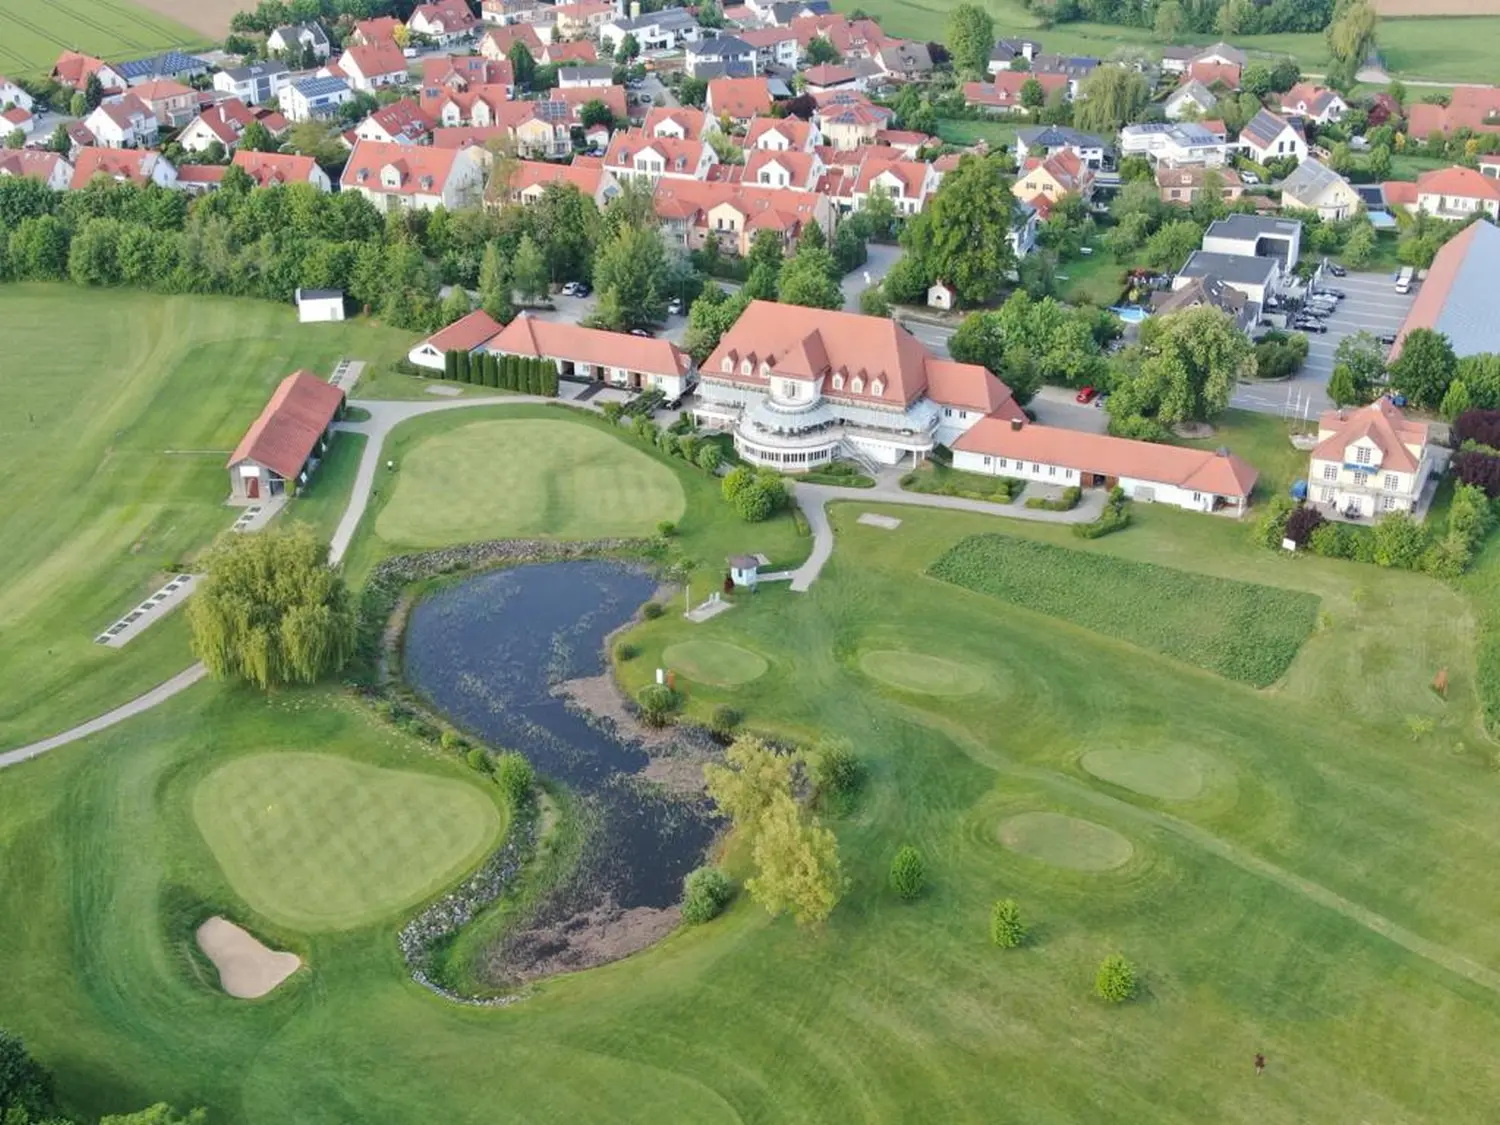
525,374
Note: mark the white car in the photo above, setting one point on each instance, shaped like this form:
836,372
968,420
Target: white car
1250,177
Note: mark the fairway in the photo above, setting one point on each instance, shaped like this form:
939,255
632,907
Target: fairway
510,479
36,33
1066,841
1172,775
117,412
714,662
917,672
317,842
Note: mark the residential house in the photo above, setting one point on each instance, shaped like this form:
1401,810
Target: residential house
721,55
16,119
1457,193
847,120
199,179
314,98
1268,136
1184,183
902,60
259,82
732,214
1175,60
398,177
445,22
1149,472
530,179
682,123
403,122
13,95
1053,177
1185,142
283,446
169,64
136,166
1006,93
498,41
774,47
669,29
1222,53
369,67
1256,236
1048,140
73,71
851,38
1476,108
582,19
800,387
594,355
1212,291
1256,278
171,102
1313,103
37,164
1191,99
634,155
224,122
1006,51
374,32
780,134
794,170
80,137
585,77
467,334
466,90
1457,298
124,123
298,41
1075,68
1225,76
908,183
1371,461
831,76
506,13
269,169
1314,186
739,99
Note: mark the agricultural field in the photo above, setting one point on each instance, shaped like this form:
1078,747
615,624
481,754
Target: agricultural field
35,33
1239,630
119,410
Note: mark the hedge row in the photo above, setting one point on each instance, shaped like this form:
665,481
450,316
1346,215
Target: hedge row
526,374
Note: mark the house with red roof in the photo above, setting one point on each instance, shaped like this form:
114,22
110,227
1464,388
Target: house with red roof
634,155
1149,472
375,32
1456,193
123,165
1457,298
732,214
831,76
1211,74
269,169
17,118
126,122
1060,174
224,122
739,99
782,134
1314,103
196,179
1003,95
497,41
399,177
908,183
52,169
800,387
467,334
793,170
1371,461
171,101
852,38
73,69
1476,108
368,67
403,122
445,22
682,123
847,120
596,356
283,446
530,180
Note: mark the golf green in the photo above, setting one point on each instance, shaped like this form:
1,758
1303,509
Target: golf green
917,672
1065,841
509,478
319,842
715,662
1172,774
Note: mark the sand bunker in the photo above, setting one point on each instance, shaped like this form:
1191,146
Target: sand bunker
247,969
917,672
1171,774
1065,841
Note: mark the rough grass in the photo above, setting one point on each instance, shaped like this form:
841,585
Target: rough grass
714,662
117,412
317,842
36,33
1239,630
515,479
918,672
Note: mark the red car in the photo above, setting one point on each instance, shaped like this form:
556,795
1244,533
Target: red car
1087,395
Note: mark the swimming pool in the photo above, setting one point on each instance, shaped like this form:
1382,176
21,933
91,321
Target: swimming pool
1129,313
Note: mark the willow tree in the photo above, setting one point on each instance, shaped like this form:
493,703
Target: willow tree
270,610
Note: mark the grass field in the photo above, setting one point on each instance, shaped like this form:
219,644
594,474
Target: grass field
317,842
117,411
1098,279
714,662
515,479
1246,632
36,33
959,131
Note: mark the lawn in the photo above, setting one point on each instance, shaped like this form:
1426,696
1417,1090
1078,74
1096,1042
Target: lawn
961,131
520,479
317,842
1325,895
117,412
1264,440
1098,279
35,34
1239,630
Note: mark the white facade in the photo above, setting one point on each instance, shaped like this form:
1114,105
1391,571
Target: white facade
1174,144
317,97
1286,143
254,84
116,126
1361,484
12,94
1065,476
319,306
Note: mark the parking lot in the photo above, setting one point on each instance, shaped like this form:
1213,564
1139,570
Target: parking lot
1371,304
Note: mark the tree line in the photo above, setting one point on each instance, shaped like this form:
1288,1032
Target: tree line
28,1096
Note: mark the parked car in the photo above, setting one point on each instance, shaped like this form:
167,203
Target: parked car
1387,338
639,332
1398,399
1101,400
582,289
1335,269
1249,177
1336,294
570,289
674,306
1309,324
1086,395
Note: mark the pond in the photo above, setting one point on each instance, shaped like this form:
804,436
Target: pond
488,651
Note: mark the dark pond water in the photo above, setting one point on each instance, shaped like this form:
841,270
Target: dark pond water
486,652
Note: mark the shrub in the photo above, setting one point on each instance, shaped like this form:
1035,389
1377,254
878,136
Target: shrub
755,503
1115,980
908,873
709,458
736,481
1006,928
651,611
666,529
687,448
667,442
705,893
834,767
478,760
1064,503
516,778
452,742
612,412
1270,529
1115,517
1480,426
1301,524
1479,469
1330,541
1400,542
724,720
627,651
657,702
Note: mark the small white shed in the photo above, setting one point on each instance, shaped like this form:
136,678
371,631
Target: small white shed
744,570
317,305
941,296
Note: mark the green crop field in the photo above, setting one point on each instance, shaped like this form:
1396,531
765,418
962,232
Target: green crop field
317,842
1237,629
36,33
117,411
513,479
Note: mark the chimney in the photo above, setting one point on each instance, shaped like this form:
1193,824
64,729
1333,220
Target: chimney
1016,424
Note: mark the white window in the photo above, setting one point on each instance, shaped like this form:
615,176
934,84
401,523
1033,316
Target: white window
1067,474
1330,471
1387,502
1035,468
858,385
1392,482
947,412
987,463
877,388
1362,455
1003,464
1361,479
728,365
1052,470
838,382
1328,496
747,368
1197,497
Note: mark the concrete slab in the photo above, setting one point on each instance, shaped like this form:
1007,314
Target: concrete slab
346,374
445,390
149,612
889,523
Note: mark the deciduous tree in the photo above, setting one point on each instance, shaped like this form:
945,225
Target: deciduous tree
1424,368
797,866
971,37
1184,369
963,236
631,277
808,279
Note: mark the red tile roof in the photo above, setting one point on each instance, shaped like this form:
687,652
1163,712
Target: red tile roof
689,122
160,89
847,36
793,130
453,15
1197,469
423,170
227,120
740,98
268,168
131,164
1458,181
404,118
382,29
73,69
374,59
505,37
1383,423
797,164
577,50
762,208
466,136
288,429
29,162
466,333
561,340
1471,107
678,156
1400,193
1209,72
579,96
582,174
1005,91
828,74
201,173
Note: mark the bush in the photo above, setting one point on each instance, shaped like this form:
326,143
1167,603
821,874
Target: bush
1400,542
657,703
612,412
651,611
452,742
705,893
627,651
1301,524
736,481
1479,426
1115,980
1330,541
908,873
1006,928
834,767
666,529
1115,517
709,457
516,778
1064,503
1479,469
478,760
1270,529
724,721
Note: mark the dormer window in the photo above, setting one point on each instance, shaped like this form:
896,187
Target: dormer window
858,385
765,370
838,381
1362,455
747,368
877,388
727,365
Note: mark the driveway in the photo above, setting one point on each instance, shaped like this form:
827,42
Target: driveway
1057,406
1371,304
882,257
